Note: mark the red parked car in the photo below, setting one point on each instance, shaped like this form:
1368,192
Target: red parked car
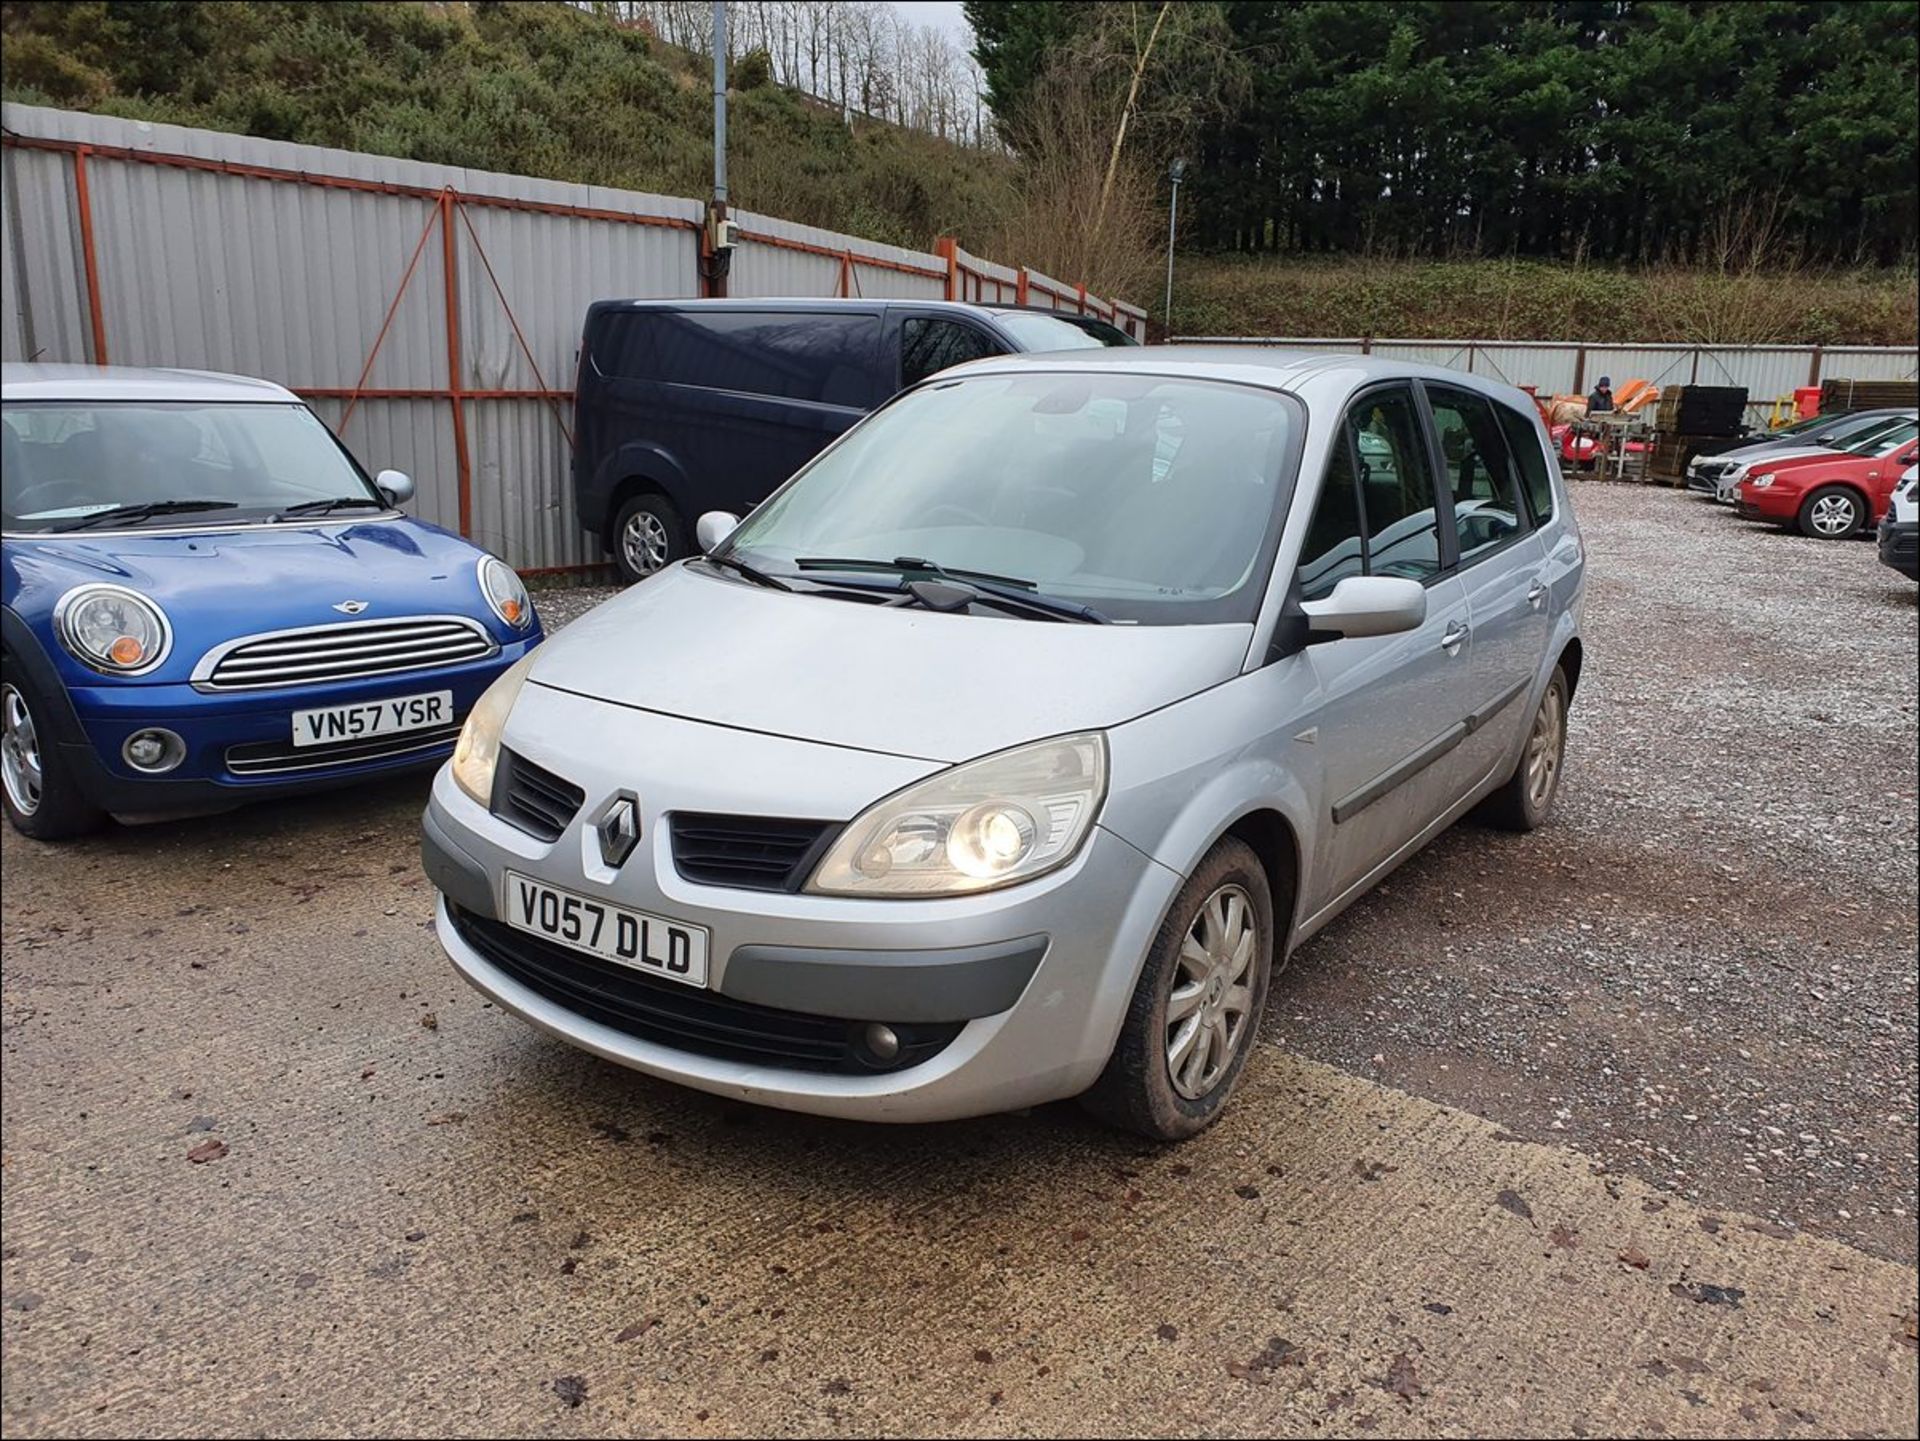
1834,495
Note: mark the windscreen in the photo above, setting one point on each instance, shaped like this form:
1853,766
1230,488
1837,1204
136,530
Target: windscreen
1154,500
66,461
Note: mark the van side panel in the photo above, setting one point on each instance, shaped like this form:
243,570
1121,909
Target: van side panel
715,406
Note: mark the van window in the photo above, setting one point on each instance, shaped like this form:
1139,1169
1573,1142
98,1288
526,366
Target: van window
929,346
1523,439
828,359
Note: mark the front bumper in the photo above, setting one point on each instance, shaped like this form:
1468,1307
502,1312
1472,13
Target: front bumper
1900,546
1768,503
1033,979
219,728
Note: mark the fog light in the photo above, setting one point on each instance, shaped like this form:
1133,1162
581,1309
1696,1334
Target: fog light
154,751
881,1043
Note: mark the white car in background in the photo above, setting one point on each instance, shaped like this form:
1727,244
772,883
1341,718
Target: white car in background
1900,526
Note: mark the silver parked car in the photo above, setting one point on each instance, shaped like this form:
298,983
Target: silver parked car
1006,751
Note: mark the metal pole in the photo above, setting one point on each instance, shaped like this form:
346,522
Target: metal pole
719,102
1173,212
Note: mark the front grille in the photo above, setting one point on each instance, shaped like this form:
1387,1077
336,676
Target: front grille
265,758
533,798
754,853
344,652
687,1019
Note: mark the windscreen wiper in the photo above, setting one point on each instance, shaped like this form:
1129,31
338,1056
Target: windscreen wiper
752,573
331,504
1004,591
143,511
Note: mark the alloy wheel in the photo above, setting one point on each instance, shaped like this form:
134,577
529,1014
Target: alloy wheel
1544,748
1832,515
644,543
20,768
1209,1009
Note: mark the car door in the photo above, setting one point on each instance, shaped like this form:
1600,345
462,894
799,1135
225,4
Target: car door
1502,567
1390,708
744,398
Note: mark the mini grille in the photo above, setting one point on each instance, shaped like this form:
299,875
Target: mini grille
756,853
533,798
346,652
263,758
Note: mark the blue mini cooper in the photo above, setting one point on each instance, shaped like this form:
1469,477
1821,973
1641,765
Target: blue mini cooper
204,601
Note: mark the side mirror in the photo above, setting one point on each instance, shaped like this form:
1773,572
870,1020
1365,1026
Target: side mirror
395,485
1363,605
714,527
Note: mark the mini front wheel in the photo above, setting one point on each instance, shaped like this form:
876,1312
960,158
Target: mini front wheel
41,796
1196,1009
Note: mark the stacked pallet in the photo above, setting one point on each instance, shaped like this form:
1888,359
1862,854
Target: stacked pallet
1702,410
1667,460
1839,395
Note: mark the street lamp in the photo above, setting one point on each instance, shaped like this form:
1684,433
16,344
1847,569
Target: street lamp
1176,172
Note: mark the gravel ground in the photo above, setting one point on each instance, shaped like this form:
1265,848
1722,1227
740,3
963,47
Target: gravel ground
1704,971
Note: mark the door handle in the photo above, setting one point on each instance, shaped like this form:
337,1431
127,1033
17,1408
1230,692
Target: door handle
1537,594
1454,638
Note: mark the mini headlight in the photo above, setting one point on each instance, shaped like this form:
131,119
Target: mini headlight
477,751
506,595
991,822
113,629
1762,481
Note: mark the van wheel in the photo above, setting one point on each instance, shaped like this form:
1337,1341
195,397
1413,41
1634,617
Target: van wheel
1832,513
41,796
1525,801
647,535
1196,1010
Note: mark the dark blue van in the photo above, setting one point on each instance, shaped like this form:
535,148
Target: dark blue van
686,406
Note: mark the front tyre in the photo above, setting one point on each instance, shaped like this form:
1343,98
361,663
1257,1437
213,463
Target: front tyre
648,535
1525,801
1832,512
1196,1010
40,795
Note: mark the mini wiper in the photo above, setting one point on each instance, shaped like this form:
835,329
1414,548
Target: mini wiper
331,504
144,511
751,572
1003,591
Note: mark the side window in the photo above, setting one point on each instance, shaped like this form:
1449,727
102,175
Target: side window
929,346
1396,486
1486,507
1334,549
799,356
1523,440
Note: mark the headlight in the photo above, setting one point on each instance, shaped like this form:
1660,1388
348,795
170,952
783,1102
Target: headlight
991,822
112,629
1761,482
478,750
505,593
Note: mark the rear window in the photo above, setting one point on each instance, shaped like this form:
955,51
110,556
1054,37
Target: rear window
1523,440
825,359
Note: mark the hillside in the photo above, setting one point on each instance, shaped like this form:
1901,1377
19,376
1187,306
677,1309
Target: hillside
1539,300
535,89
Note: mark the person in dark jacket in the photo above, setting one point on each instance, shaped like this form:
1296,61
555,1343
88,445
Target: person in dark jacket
1602,397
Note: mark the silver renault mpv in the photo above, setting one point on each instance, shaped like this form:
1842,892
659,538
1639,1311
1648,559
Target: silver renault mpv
1004,753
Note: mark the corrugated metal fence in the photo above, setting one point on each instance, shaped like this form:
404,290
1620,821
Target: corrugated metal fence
430,313
1558,367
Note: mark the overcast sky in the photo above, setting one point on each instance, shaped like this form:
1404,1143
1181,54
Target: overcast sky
943,13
